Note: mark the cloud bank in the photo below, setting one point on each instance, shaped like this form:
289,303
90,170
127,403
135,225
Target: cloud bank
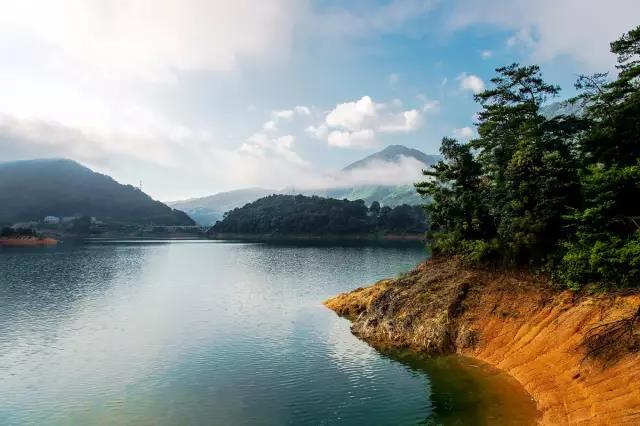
552,29
154,37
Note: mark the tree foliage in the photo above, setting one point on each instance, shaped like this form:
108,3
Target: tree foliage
299,214
558,193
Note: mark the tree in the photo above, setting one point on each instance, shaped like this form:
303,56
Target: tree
318,216
502,197
605,246
375,208
458,217
557,193
528,162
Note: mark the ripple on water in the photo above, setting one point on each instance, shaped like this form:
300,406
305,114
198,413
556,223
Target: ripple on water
191,333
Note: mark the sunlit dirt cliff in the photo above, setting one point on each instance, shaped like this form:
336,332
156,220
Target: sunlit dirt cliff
577,355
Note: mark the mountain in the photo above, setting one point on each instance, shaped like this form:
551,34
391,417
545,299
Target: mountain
33,189
207,210
556,109
386,195
393,154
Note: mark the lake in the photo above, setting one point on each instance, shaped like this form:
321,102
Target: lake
207,332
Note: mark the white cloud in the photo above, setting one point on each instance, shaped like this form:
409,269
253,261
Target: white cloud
172,166
344,139
270,126
550,29
356,123
153,38
283,114
404,171
262,146
486,54
302,110
464,133
470,82
364,19
353,115
431,106
406,121
319,132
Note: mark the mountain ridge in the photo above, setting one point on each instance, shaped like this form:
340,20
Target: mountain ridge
33,189
208,209
393,153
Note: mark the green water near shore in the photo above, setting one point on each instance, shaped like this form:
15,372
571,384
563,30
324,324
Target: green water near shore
207,332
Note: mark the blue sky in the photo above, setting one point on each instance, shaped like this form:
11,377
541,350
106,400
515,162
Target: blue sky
194,97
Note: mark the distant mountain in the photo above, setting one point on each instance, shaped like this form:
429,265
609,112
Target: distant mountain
386,195
31,190
561,108
207,210
393,154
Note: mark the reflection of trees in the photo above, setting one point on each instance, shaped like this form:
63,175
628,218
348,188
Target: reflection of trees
465,391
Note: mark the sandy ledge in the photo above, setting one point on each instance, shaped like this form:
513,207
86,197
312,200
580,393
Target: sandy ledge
518,323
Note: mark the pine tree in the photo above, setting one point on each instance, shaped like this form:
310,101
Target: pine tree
605,249
529,162
458,219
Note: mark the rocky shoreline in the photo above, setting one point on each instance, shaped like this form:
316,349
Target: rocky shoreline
578,356
27,241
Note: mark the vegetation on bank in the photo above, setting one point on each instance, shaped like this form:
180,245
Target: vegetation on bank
18,233
560,194
302,215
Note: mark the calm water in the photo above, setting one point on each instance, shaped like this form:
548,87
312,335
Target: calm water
218,333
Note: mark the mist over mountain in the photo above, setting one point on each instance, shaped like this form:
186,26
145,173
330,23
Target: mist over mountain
208,210
33,189
394,154
386,176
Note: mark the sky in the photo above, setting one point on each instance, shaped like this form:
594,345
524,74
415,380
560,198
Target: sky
193,97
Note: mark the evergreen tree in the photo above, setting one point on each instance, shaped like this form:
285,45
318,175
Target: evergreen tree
507,204
560,193
605,248
528,160
458,219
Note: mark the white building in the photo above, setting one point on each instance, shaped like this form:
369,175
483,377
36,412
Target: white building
51,220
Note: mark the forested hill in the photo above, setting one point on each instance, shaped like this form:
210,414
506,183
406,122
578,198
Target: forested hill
554,189
31,190
318,216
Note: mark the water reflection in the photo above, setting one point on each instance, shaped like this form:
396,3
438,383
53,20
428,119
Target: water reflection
466,391
192,332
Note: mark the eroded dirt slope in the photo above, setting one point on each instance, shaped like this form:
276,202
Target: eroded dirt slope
578,356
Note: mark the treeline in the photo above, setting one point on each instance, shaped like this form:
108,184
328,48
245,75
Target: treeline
558,194
303,215
8,232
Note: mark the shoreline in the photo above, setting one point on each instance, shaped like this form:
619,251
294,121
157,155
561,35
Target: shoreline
514,321
418,238
28,242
